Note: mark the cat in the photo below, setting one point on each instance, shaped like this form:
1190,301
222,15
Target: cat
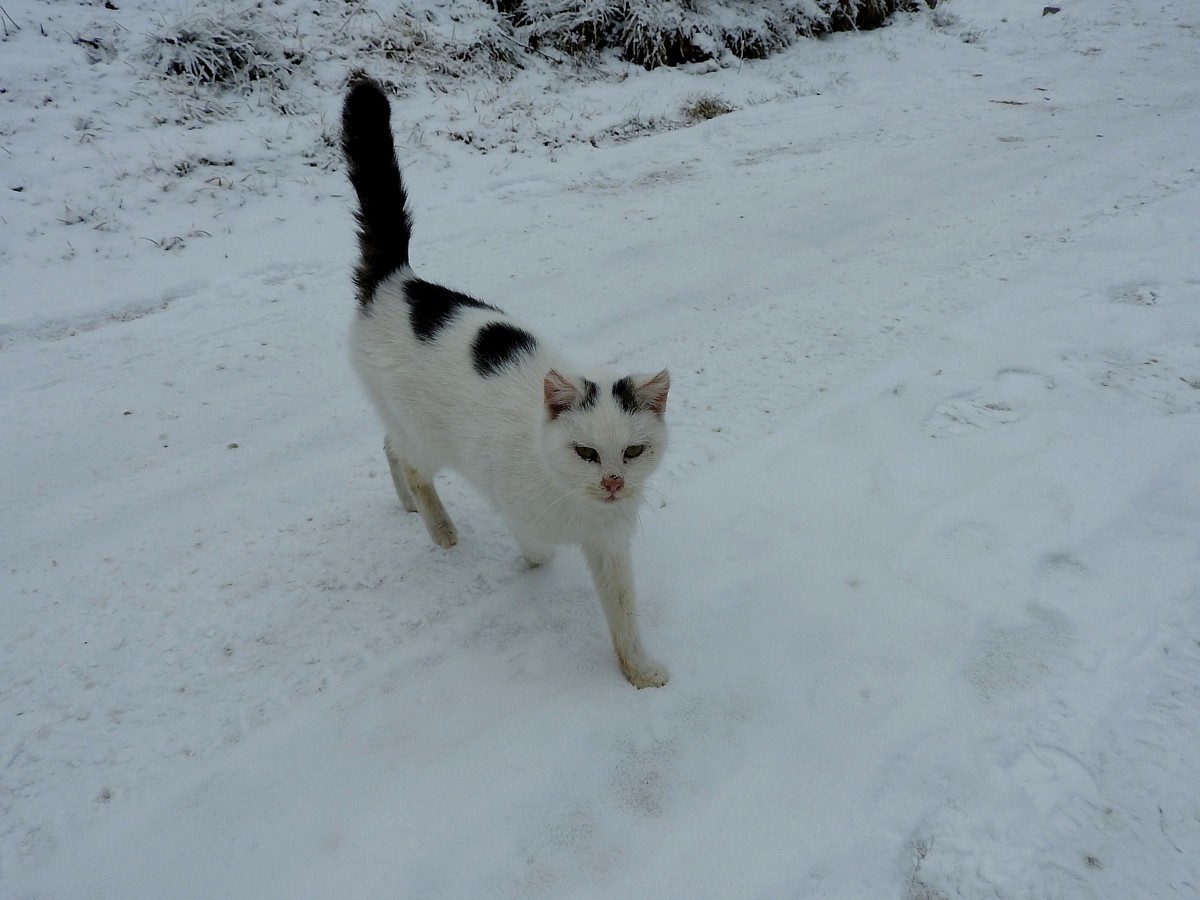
459,385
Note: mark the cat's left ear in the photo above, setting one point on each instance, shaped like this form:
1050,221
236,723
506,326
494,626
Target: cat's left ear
652,391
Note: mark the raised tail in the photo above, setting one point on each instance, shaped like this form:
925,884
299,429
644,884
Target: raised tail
384,223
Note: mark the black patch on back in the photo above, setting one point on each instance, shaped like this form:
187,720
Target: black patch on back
499,344
591,391
625,392
432,307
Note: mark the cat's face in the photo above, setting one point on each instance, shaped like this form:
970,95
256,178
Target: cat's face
603,440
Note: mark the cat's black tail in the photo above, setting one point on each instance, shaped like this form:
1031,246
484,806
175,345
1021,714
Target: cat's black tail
384,223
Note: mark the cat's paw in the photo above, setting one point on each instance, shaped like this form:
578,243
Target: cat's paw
644,673
537,560
535,552
444,534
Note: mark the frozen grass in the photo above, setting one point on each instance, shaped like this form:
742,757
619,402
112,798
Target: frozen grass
702,107
204,57
233,51
652,33
214,55
457,42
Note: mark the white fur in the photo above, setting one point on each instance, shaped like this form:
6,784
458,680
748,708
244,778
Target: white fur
504,436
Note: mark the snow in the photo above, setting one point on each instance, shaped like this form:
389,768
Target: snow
922,559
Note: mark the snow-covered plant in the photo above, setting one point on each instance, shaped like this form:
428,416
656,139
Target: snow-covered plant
702,107
467,39
208,57
234,50
656,33
646,32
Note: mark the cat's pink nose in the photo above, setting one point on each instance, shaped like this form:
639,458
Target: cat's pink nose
612,483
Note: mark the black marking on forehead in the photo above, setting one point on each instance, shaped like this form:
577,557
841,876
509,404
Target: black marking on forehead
625,393
498,345
432,307
591,391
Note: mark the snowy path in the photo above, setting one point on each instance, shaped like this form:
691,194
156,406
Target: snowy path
924,566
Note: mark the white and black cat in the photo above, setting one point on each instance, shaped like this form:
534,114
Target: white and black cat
461,386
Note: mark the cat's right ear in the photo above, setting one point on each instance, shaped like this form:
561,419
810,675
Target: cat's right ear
561,393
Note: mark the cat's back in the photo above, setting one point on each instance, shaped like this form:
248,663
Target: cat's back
447,364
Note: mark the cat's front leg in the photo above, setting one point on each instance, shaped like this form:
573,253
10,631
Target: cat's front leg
536,551
613,576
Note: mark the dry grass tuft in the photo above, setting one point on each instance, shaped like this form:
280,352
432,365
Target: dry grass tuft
702,107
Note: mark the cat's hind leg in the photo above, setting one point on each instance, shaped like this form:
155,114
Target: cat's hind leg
417,494
429,505
396,466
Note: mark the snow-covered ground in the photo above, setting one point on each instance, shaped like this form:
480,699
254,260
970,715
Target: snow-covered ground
923,560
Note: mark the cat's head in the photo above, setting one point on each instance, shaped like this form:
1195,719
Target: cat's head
603,439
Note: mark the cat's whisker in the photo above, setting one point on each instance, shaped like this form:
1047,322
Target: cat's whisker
553,503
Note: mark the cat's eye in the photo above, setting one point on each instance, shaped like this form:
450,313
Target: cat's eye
633,451
588,453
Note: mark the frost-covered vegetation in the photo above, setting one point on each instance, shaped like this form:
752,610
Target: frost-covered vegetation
503,65
245,46
652,33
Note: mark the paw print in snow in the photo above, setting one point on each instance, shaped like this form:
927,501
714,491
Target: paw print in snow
1002,400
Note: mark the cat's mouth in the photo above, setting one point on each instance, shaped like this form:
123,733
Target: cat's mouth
611,495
